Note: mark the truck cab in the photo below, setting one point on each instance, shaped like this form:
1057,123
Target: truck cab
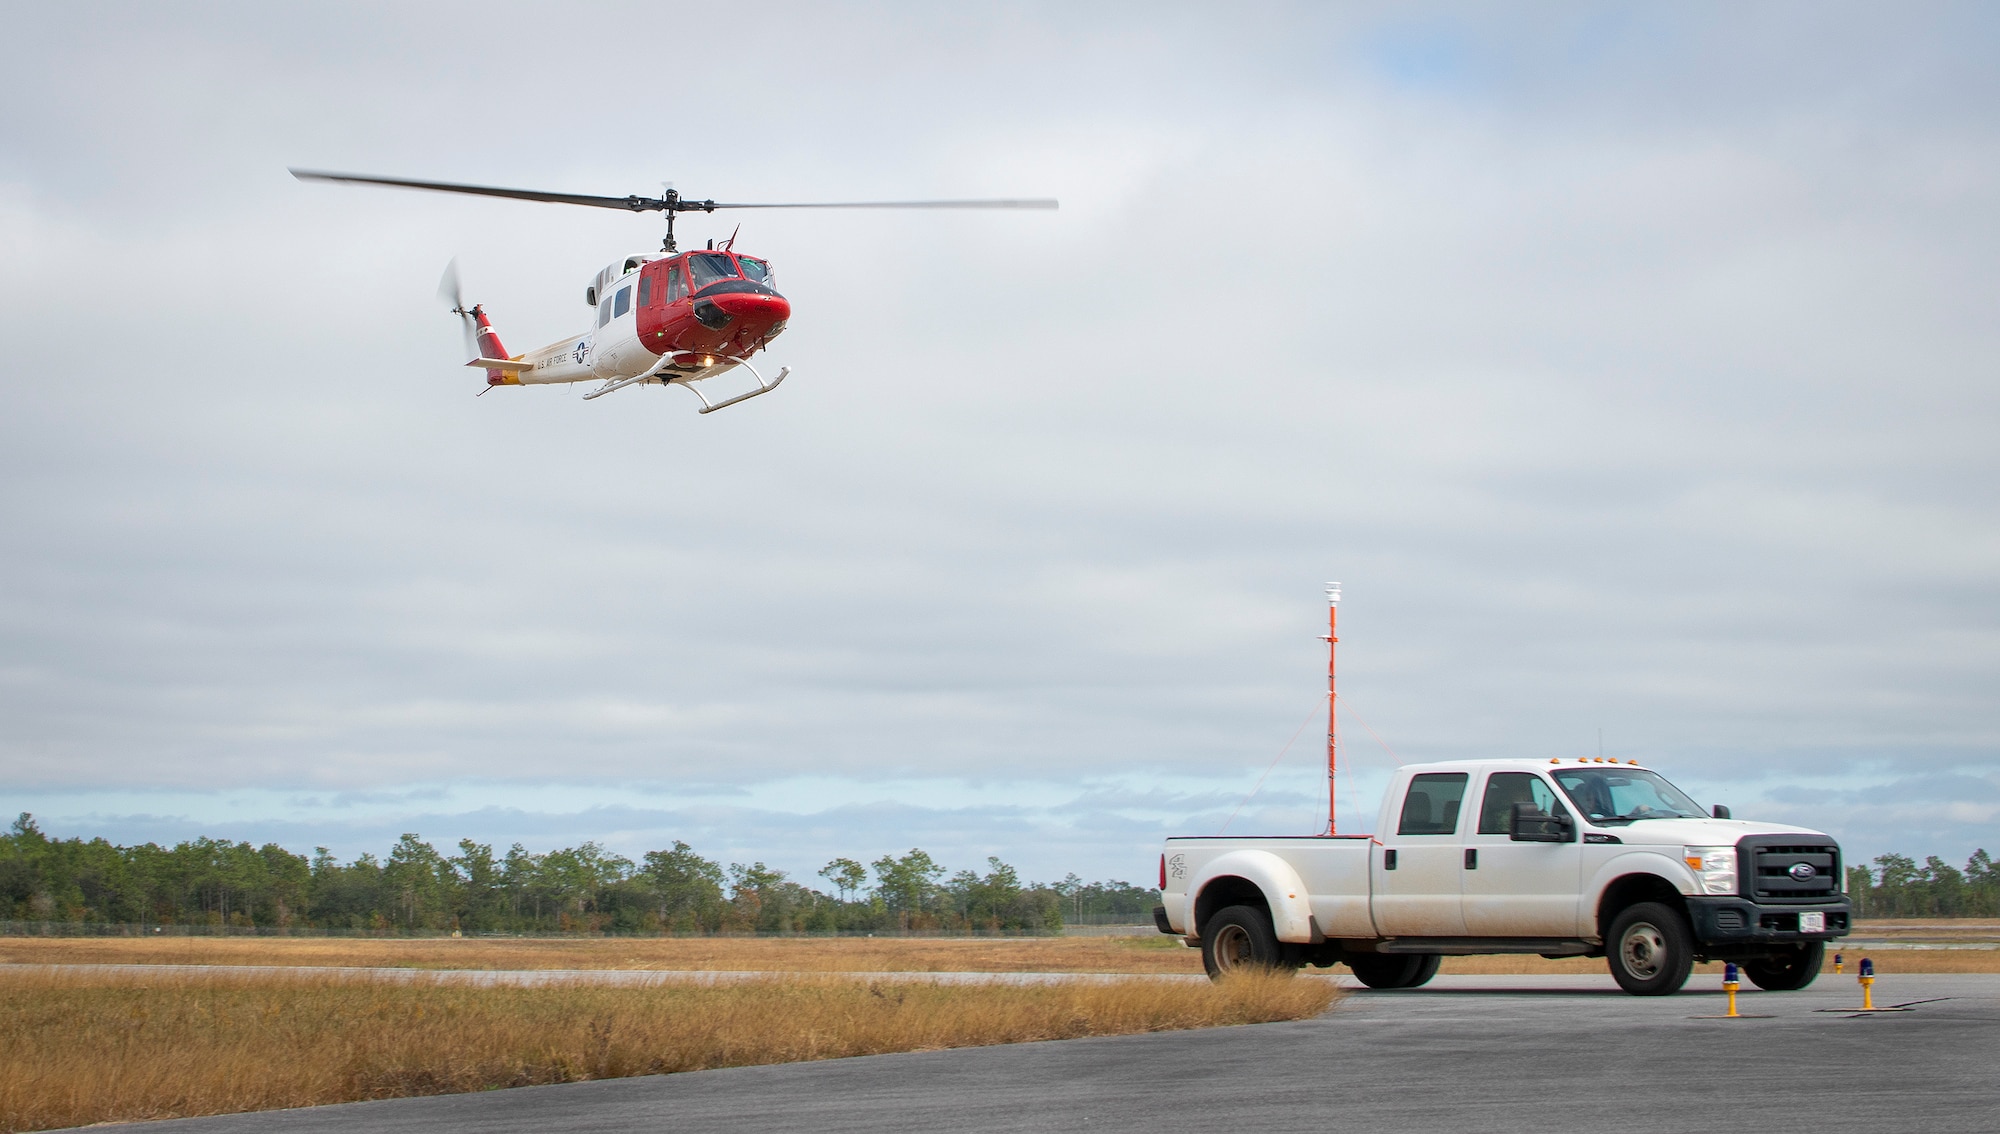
1587,857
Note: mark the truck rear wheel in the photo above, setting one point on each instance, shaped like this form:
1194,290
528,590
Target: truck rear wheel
1650,949
1240,939
1788,973
1409,970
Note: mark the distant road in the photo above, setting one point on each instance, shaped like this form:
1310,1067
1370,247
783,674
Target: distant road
1147,930
1474,1054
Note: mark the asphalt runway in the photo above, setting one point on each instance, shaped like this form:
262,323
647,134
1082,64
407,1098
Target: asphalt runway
1479,1054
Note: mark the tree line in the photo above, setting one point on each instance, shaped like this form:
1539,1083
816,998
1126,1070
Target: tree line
416,888
1898,886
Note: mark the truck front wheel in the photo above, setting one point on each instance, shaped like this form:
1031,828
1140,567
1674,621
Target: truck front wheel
1409,970
1788,973
1650,949
1240,939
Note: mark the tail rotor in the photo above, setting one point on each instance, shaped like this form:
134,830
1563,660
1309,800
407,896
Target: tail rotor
448,290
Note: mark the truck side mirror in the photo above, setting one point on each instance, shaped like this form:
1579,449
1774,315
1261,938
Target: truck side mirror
1719,811
1533,825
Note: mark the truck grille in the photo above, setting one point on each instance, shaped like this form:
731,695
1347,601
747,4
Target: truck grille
1776,863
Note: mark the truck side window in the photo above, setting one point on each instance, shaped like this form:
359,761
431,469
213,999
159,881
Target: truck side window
624,301
1504,790
1431,807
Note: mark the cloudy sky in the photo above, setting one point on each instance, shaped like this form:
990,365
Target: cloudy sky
1633,367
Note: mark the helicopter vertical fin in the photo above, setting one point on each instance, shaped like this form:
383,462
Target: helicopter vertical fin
489,347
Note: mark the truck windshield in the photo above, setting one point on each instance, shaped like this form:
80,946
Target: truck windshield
1624,795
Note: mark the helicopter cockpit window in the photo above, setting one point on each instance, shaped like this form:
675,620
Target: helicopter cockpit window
624,301
645,290
677,287
756,270
708,267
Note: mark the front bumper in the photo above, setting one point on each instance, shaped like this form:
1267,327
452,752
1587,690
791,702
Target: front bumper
1740,921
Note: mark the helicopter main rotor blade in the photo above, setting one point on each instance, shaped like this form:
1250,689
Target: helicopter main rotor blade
632,203
672,202
984,203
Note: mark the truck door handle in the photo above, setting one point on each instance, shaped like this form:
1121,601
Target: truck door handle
1471,859
1388,860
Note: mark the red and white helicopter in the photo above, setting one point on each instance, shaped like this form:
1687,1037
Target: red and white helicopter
672,318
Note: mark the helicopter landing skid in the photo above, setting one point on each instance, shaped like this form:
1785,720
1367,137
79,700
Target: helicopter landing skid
763,387
617,385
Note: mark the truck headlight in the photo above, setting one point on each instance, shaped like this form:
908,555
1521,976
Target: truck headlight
1715,867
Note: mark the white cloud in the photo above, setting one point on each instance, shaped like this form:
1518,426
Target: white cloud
1632,372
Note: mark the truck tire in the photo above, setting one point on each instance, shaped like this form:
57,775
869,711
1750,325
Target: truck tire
1240,939
1409,970
1788,973
1650,949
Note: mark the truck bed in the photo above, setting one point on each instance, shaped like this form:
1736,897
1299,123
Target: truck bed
1333,870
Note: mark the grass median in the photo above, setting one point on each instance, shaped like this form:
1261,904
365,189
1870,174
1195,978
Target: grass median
83,1048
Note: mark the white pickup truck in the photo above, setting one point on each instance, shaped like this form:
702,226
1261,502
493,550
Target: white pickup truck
1563,858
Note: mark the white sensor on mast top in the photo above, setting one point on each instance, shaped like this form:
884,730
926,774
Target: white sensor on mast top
1333,594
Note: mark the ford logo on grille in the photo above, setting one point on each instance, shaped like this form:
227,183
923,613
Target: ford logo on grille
1802,872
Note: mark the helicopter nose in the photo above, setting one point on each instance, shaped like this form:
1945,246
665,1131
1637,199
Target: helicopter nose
762,308
744,310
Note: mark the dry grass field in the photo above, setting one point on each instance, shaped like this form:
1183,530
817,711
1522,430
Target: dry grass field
1154,954
1908,933
1887,961
83,1048
1134,955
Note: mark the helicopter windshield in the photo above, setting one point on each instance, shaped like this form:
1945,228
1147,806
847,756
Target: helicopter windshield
705,268
756,270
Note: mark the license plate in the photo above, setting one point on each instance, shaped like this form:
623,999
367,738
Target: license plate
1812,923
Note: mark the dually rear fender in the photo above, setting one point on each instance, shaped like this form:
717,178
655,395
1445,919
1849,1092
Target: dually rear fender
1283,891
